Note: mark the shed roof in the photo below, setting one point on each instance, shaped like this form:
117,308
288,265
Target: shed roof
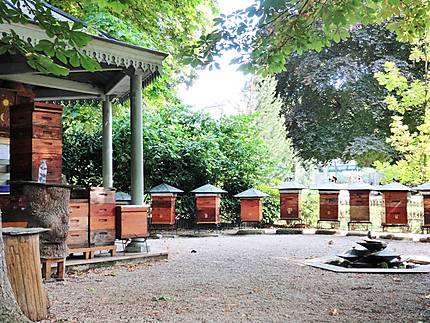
252,192
291,186
394,186
360,186
329,187
423,187
208,189
117,59
165,188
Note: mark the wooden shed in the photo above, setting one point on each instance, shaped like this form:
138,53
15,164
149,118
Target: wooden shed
163,207
251,205
208,204
395,199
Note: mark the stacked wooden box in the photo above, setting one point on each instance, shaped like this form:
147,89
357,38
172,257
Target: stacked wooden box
329,206
92,218
251,205
359,206
396,207
208,209
131,222
290,206
36,135
163,209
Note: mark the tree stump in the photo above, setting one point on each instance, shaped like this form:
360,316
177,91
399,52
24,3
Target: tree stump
22,256
48,207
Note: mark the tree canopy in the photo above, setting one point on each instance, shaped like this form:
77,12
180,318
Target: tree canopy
332,104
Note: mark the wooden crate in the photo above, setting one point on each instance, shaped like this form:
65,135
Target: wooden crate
251,210
396,207
290,206
359,206
163,209
131,222
329,206
426,201
208,209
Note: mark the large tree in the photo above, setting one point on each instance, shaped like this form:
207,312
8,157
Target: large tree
332,104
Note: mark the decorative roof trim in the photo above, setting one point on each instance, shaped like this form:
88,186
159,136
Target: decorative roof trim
108,51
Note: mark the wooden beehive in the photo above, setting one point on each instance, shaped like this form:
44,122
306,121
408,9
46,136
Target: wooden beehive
395,207
290,205
78,236
426,202
208,204
329,206
163,209
251,210
208,209
131,221
251,205
36,135
359,206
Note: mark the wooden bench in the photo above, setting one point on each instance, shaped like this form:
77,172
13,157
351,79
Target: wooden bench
47,264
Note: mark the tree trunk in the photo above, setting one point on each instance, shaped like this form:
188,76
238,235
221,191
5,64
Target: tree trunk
9,309
49,208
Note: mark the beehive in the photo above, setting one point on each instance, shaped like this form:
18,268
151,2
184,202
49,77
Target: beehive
208,204
251,205
164,204
395,197
359,197
289,196
425,191
329,202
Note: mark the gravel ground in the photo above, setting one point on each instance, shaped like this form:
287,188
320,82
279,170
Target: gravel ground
247,278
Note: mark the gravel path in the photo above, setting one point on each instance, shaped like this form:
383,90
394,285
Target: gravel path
247,278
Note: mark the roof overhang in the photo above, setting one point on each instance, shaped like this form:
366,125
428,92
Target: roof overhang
118,60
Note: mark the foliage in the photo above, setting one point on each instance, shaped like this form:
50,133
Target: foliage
310,207
263,100
333,106
269,31
271,206
183,148
414,146
52,55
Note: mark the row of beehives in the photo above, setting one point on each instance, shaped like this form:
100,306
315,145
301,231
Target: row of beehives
395,203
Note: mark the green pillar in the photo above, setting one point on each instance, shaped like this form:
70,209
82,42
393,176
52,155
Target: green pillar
107,143
136,139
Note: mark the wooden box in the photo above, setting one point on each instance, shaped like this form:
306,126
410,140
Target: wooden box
359,206
208,209
35,134
426,201
251,210
131,222
396,207
102,224
290,206
163,209
329,206
78,224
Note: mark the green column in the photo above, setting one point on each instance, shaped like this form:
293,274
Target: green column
136,139
107,143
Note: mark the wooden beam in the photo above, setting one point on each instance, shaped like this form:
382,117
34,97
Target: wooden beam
116,82
54,83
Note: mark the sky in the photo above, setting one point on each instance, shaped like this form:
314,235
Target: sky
219,91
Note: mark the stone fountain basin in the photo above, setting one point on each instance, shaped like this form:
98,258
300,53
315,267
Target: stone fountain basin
323,263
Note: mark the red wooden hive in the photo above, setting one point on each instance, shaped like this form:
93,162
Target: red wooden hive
289,195
208,204
329,202
35,132
359,201
164,204
425,190
395,197
251,205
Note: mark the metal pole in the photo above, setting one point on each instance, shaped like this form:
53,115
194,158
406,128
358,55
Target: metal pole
107,143
136,140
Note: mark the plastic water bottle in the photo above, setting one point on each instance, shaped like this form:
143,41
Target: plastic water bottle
43,171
